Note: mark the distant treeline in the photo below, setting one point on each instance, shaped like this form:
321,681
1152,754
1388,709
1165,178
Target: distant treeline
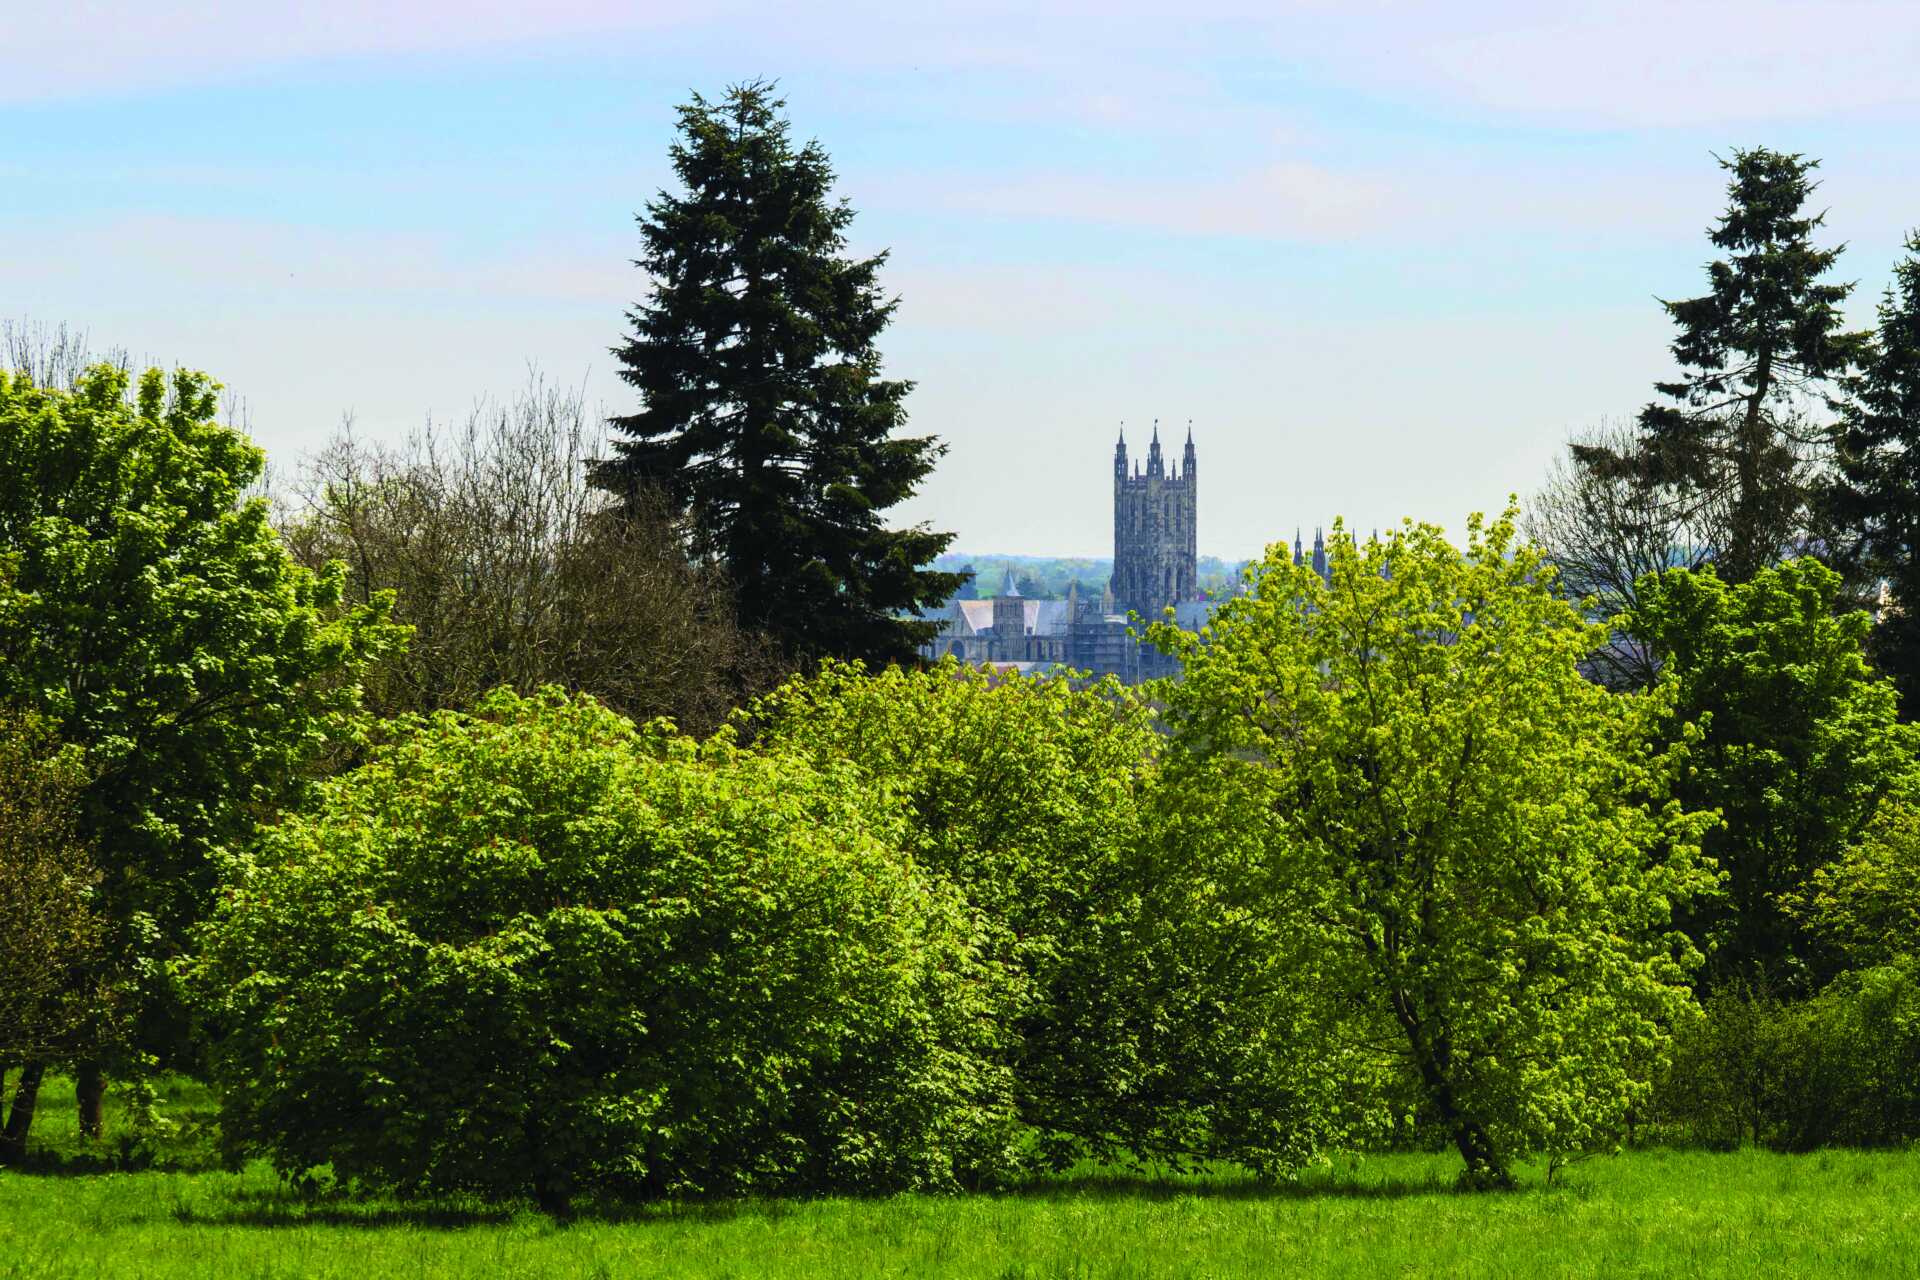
1049,577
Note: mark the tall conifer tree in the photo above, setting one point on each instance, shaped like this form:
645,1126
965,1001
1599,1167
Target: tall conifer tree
1759,350
764,413
1878,495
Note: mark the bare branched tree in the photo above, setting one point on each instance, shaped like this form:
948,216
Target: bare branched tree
513,571
1604,531
51,356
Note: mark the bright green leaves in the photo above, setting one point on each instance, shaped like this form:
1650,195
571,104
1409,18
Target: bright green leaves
1462,838
1799,743
149,612
538,950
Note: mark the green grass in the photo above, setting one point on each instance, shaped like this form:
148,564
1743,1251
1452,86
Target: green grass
1653,1213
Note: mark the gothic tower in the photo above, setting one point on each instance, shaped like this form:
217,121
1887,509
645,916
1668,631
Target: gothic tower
1154,558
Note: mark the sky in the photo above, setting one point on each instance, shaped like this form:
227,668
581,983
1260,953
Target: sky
1385,258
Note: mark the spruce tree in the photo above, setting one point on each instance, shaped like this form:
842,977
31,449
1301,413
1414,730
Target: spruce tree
764,414
1878,494
1741,431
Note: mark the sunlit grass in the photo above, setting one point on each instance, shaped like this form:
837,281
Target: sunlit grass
1652,1213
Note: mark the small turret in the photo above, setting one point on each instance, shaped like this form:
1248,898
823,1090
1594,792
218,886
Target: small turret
1009,613
1299,552
1120,456
1319,553
1186,457
1155,467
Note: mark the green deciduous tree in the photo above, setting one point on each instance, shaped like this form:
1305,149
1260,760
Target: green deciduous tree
149,613
538,951
764,413
50,927
1739,433
1462,839
1140,1029
1878,496
1605,531
1800,741
1864,906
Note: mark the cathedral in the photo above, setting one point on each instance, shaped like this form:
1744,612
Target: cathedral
1155,565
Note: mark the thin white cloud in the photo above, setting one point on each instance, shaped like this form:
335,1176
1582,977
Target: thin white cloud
84,47
1688,63
1285,200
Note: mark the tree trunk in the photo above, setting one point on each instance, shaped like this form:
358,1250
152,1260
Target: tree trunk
1485,1170
13,1141
1749,554
90,1091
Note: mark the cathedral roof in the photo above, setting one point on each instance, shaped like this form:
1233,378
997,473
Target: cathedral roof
1042,617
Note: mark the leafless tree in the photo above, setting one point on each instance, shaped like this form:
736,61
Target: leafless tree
53,356
513,571
1606,531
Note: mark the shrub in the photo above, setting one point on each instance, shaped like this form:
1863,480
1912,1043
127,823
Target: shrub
1147,1024
50,926
1841,1067
1864,907
538,950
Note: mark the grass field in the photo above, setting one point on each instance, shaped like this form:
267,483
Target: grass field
1651,1213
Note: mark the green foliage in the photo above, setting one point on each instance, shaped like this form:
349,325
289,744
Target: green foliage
536,950
1865,905
1838,1068
1800,741
764,411
50,927
149,613
1051,577
1877,498
1141,1028
1460,840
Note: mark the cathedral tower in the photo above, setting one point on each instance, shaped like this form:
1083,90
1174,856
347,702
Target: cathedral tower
1154,558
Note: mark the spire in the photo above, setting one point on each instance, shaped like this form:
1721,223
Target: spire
1319,552
1299,552
1154,465
1008,587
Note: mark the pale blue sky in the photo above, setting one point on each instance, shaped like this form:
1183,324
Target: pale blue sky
1384,256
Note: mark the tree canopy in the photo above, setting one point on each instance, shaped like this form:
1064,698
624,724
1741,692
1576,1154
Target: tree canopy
536,950
1140,1027
1878,495
1463,837
150,616
1800,741
764,413
511,570
1739,436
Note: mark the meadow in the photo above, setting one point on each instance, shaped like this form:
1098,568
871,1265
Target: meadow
93,1212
